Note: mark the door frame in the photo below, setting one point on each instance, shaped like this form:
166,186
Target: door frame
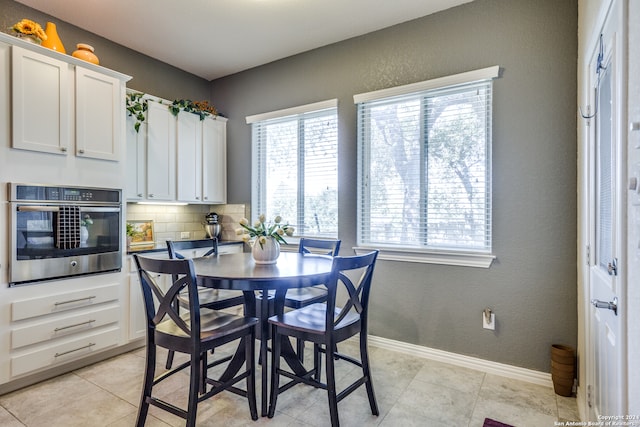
586,240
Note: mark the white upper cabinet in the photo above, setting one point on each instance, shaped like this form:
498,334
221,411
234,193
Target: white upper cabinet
136,158
41,102
176,158
99,112
189,157
50,97
202,159
161,153
214,160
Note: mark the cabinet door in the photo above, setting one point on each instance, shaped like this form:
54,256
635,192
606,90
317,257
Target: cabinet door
161,152
214,161
189,156
40,102
99,109
136,160
137,315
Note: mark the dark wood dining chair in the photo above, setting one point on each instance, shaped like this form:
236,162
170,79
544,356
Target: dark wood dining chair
326,324
302,297
194,332
214,299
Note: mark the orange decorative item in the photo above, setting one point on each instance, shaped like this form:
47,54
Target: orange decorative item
53,42
85,52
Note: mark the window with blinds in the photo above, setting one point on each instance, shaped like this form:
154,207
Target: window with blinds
425,165
295,167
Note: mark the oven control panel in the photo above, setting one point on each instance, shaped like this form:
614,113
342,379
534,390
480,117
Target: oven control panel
43,193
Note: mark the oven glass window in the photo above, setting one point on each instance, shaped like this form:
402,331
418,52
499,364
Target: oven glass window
64,231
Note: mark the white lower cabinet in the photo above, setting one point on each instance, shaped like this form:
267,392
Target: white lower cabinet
51,329
62,351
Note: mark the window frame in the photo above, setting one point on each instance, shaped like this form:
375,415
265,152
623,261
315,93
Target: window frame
295,113
462,257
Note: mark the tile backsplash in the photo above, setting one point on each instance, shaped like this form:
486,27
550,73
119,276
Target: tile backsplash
170,221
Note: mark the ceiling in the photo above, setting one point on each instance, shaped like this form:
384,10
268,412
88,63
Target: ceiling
215,38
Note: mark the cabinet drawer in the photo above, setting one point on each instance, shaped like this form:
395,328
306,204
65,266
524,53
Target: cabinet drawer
57,303
63,351
64,326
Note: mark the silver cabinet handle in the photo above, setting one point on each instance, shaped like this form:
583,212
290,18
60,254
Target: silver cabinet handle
63,149
150,196
91,344
74,300
612,305
81,151
88,322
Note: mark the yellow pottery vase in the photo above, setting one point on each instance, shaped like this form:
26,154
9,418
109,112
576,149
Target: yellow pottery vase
53,42
85,52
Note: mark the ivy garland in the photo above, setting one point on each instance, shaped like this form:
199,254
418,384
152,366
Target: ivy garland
136,106
201,108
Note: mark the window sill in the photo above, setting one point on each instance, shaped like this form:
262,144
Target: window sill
462,259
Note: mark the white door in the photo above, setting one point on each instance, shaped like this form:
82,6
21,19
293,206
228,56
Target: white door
606,377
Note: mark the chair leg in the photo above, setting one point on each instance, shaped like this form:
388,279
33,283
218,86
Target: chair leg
194,387
149,374
275,366
366,371
317,361
300,349
249,349
331,385
203,370
169,359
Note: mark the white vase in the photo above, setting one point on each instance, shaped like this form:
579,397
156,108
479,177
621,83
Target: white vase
267,253
84,236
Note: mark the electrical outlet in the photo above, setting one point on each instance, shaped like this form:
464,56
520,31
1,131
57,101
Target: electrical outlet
184,235
492,322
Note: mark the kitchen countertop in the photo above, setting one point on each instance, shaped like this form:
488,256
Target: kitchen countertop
162,246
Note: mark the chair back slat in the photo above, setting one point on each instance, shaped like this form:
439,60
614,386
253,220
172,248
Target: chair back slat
357,298
160,304
319,246
176,248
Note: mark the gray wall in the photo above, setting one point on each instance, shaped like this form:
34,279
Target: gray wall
149,75
532,284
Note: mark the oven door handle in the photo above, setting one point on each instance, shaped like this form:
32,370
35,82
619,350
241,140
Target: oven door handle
37,208
41,208
100,208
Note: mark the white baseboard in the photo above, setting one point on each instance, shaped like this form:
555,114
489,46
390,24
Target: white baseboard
509,371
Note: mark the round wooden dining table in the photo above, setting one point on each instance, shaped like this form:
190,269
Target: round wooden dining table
240,272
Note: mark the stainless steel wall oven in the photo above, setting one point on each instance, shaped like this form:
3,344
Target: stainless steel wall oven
59,232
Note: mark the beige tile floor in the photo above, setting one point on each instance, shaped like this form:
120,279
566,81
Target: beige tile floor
411,391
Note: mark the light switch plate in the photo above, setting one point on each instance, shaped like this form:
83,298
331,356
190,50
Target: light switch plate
184,235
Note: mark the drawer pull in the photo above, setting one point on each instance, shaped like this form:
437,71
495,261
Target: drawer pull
74,300
73,326
91,344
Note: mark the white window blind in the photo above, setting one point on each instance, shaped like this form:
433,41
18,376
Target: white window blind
425,165
295,167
